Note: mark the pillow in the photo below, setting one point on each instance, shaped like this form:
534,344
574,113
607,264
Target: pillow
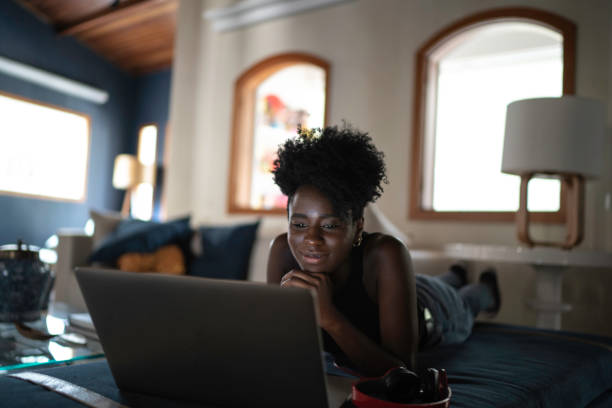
167,259
224,251
141,237
105,222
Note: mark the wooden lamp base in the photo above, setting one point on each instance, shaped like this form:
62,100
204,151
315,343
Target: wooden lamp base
574,188
127,202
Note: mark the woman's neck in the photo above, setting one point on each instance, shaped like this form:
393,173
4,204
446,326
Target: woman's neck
341,276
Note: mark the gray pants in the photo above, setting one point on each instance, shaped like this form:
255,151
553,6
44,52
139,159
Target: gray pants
453,307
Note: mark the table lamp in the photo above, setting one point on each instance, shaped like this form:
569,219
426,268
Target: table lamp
126,176
556,137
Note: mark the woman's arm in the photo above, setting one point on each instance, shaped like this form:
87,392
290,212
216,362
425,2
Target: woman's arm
388,260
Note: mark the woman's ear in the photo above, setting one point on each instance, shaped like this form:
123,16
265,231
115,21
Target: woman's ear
359,224
358,232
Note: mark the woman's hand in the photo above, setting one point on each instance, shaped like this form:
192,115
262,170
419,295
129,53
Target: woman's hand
322,286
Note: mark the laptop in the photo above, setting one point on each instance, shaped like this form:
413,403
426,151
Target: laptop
217,342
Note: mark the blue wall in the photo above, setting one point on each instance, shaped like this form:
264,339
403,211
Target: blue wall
26,39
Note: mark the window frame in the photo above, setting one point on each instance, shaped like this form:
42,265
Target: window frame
242,124
83,197
423,75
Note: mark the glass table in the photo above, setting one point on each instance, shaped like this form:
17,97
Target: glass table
20,352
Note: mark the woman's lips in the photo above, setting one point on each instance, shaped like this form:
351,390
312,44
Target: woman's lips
313,258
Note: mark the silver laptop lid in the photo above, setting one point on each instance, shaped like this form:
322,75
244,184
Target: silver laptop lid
223,343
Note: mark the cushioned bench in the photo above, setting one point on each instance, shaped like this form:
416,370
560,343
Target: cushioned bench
499,366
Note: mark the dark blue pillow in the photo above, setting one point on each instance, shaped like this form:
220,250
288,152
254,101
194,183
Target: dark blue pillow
142,237
224,251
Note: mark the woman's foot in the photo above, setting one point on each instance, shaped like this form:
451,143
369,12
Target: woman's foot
489,278
460,275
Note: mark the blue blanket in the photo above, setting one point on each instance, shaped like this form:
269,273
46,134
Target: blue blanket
510,366
498,366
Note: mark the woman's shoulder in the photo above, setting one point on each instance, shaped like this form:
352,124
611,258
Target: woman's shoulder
385,253
384,258
279,248
280,241
377,243
280,258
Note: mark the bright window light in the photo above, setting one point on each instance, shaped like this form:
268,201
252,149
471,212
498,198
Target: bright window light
43,150
493,66
147,145
142,196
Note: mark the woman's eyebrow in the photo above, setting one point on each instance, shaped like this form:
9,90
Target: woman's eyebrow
300,215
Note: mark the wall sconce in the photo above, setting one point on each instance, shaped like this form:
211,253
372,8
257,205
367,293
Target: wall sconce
555,136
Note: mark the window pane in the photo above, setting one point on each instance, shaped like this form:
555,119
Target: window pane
291,96
43,150
142,196
147,145
489,67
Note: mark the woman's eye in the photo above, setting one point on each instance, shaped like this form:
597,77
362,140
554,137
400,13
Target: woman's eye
330,226
298,225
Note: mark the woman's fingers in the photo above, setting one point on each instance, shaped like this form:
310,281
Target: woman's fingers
295,274
297,283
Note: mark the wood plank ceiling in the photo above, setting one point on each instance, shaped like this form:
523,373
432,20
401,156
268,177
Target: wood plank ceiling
135,35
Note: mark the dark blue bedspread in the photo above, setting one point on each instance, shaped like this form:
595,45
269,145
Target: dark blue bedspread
510,366
499,366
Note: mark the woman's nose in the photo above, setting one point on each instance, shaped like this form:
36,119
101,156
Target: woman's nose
313,236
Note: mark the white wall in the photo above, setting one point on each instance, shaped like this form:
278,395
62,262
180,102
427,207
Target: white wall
371,47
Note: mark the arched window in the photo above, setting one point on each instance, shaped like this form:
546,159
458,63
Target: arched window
270,100
465,77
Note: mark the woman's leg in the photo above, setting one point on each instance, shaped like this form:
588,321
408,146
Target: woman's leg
454,310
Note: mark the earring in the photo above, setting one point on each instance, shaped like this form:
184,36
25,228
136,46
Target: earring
358,242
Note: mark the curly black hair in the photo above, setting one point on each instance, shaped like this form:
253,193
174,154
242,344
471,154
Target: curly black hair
342,163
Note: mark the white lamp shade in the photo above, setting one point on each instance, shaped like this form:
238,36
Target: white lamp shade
554,135
126,173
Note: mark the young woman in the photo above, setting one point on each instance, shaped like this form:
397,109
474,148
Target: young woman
374,311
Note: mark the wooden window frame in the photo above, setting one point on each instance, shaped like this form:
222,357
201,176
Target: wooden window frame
422,76
242,124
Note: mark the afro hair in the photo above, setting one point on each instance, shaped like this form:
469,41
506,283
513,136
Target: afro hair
342,163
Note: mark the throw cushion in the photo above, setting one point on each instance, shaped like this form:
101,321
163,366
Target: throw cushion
141,237
223,251
167,259
105,222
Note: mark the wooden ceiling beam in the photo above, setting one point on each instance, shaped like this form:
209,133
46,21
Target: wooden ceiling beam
126,14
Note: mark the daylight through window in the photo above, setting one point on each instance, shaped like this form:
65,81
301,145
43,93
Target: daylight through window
477,79
466,76
142,197
43,150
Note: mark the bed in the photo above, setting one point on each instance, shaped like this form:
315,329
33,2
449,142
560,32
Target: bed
499,366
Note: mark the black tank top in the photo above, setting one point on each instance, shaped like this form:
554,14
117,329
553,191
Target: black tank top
354,303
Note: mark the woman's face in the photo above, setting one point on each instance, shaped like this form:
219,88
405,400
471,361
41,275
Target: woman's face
319,239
